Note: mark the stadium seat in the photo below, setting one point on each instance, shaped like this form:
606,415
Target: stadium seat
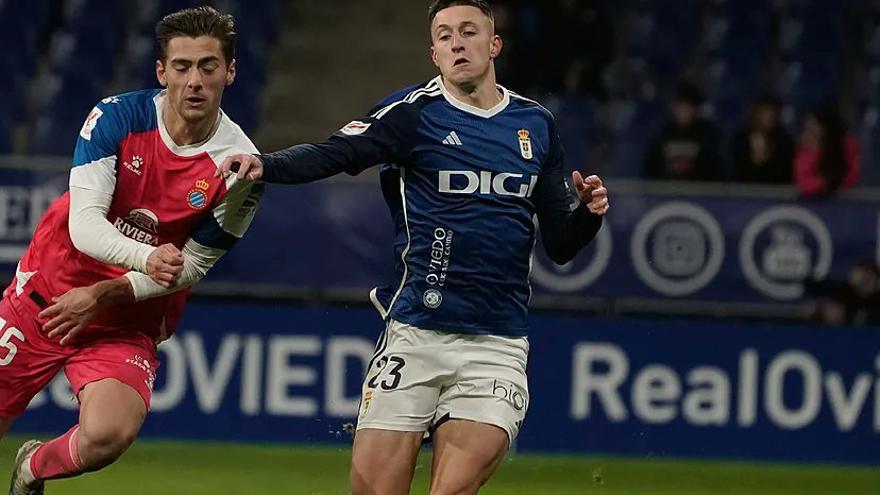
577,128
636,123
5,132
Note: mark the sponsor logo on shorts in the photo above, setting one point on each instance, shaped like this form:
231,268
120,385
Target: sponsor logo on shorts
432,298
145,366
368,397
509,392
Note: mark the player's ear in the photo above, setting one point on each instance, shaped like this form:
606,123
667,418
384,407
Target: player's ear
496,46
160,73
434,56
230,73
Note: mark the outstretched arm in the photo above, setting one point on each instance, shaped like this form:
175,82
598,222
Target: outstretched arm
384,137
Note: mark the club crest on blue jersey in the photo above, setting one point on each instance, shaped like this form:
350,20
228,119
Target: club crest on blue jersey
197,198
525,144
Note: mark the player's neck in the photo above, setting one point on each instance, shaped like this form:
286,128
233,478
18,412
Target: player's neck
484,94
185,133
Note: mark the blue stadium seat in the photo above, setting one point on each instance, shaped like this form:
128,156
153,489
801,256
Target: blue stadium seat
65,105
870,146
242,104
639,119
5,131
576,125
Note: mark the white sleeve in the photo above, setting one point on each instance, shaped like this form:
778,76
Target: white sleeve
197,260
95,236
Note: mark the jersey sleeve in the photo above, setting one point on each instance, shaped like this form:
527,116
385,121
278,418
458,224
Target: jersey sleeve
216,235
94,159
231,218
565,222
92,185
385,136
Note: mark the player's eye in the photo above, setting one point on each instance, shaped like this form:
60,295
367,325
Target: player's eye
470,33
444,37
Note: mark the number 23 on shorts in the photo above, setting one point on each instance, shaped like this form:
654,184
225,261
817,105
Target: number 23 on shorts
392,381
8,349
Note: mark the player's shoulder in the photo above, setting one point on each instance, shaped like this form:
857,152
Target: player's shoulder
230,135
410,98
135,109
121,114
529,104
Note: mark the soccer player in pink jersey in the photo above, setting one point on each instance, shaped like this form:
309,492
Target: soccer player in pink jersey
107,273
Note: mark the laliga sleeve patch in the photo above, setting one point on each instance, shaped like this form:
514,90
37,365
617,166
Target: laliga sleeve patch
91,122
355,128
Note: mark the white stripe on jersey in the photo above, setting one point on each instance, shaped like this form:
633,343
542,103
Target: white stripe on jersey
374,298
528,100
430,89
408,240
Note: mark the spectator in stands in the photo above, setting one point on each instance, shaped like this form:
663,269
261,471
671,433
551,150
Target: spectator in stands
864,279
574,39
764,150
686,147
827,157
581,34
855,301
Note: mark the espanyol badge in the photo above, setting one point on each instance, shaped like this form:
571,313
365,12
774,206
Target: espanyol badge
197,198
525,144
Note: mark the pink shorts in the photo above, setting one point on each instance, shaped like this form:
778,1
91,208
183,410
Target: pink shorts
29,360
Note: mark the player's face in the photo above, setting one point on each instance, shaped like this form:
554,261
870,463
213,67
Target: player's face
195,73
463,44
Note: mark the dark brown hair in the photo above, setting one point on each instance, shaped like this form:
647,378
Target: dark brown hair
439,5
195,22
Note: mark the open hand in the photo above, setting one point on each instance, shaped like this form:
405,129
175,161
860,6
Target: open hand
70,313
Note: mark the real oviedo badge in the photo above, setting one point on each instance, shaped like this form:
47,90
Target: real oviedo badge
525,144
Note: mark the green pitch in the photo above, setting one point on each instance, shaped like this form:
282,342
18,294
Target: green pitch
171,468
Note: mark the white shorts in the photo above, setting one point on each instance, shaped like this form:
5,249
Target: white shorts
419,378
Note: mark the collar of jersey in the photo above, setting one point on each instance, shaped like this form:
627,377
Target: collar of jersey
190,149
479,112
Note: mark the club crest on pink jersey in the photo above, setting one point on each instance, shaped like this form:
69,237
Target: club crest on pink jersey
197,198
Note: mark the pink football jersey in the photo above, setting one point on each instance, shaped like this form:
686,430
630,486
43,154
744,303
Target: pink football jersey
162,193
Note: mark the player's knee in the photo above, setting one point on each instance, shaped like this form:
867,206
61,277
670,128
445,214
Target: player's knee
458,481
101,445
361,484
458,486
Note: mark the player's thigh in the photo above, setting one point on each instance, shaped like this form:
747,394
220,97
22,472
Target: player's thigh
491,386
403,381
382,461
111,413
113,381
466,453
28,360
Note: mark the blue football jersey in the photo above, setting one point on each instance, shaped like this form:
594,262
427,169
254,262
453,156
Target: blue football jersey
464,185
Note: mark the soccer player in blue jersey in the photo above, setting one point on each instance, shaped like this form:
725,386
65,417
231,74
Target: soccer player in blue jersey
473,163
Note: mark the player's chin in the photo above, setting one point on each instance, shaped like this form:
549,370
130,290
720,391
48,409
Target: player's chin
461,76
194,114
